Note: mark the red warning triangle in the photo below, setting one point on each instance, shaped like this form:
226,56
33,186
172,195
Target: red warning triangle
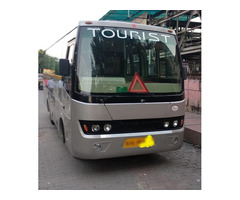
135,88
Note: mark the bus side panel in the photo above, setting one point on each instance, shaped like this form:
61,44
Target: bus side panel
66,117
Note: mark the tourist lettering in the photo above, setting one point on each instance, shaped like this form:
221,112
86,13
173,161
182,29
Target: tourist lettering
132,34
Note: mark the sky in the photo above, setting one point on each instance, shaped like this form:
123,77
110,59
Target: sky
36,24
54,24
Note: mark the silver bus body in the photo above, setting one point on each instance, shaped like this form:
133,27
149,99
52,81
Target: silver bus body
72,115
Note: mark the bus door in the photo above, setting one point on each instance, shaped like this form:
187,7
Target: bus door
65,93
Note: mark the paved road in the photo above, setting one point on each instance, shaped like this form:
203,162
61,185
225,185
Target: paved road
58,170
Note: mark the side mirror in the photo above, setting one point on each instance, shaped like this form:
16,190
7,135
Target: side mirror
64,67
185,71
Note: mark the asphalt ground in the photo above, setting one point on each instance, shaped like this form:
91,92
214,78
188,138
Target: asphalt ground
58,170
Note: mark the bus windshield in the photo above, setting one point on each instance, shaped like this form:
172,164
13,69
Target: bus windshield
109,59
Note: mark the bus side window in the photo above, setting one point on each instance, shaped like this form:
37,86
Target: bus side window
70,53
70,56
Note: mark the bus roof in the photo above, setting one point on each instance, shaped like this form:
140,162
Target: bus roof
131,25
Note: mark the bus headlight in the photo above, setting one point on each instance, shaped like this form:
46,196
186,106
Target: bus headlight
175,123
95,127
107,127
166,124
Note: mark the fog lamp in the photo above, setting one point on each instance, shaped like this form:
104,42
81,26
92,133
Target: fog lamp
166,124
97,147
175,123
107,127
95,128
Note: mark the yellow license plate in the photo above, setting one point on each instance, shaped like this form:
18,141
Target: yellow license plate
139,142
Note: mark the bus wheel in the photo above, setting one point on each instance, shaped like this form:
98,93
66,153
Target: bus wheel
61,128
51,120
48,106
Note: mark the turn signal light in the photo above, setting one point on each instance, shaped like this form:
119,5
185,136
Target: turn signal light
181,123
85,127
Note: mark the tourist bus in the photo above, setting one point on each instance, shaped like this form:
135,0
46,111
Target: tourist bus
118,89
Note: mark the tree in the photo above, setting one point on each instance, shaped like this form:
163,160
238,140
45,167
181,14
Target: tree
46,62
41,60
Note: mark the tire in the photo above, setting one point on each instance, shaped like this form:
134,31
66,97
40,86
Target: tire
50,114
51,120
48,106
61,128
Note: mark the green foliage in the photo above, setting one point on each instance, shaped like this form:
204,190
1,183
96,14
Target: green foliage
46,62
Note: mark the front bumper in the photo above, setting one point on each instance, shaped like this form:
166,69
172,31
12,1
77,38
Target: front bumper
112,145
